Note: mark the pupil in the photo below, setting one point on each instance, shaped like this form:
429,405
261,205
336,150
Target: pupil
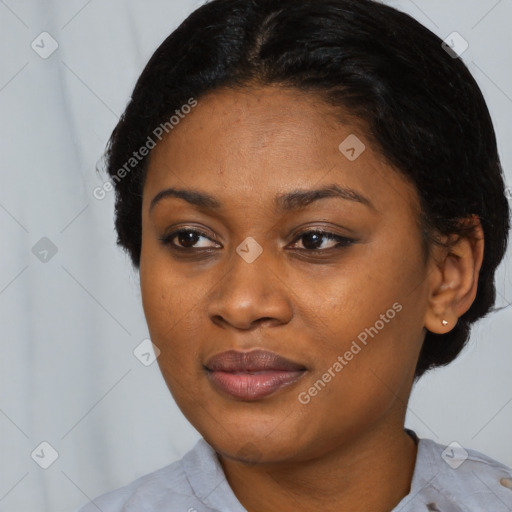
317,238
187,238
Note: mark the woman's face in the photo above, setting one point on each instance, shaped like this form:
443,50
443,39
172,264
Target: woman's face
249,271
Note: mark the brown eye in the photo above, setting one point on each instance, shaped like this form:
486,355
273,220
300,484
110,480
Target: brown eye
187,239
313,240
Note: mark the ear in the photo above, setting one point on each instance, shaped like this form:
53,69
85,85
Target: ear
453,278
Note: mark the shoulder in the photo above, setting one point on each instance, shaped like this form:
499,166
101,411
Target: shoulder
451,477
167,488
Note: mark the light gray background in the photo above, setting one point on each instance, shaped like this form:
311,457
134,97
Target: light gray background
69,325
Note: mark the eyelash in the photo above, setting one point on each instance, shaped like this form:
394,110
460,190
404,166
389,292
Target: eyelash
167,240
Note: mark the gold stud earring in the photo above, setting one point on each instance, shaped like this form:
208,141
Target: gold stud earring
444,322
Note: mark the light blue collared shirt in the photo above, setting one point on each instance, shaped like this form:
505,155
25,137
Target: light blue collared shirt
445,479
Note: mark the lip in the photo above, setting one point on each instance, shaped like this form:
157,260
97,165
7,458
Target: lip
252,375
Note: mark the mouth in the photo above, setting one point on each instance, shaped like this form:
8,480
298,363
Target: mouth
251,375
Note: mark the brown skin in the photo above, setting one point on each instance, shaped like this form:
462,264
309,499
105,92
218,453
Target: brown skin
346,449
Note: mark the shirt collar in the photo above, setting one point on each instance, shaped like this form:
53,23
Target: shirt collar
208,481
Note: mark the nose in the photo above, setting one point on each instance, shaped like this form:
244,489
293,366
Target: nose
251,295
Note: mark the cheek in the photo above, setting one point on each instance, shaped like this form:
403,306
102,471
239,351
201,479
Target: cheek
163,306
353,298
172,304
370,316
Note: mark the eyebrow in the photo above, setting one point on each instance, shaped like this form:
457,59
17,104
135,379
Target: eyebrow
294,200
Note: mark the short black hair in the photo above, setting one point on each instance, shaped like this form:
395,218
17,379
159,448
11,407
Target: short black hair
422,108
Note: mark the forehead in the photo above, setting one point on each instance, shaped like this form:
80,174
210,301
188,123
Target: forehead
250,145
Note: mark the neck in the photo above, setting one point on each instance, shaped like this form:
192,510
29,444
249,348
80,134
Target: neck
372,472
